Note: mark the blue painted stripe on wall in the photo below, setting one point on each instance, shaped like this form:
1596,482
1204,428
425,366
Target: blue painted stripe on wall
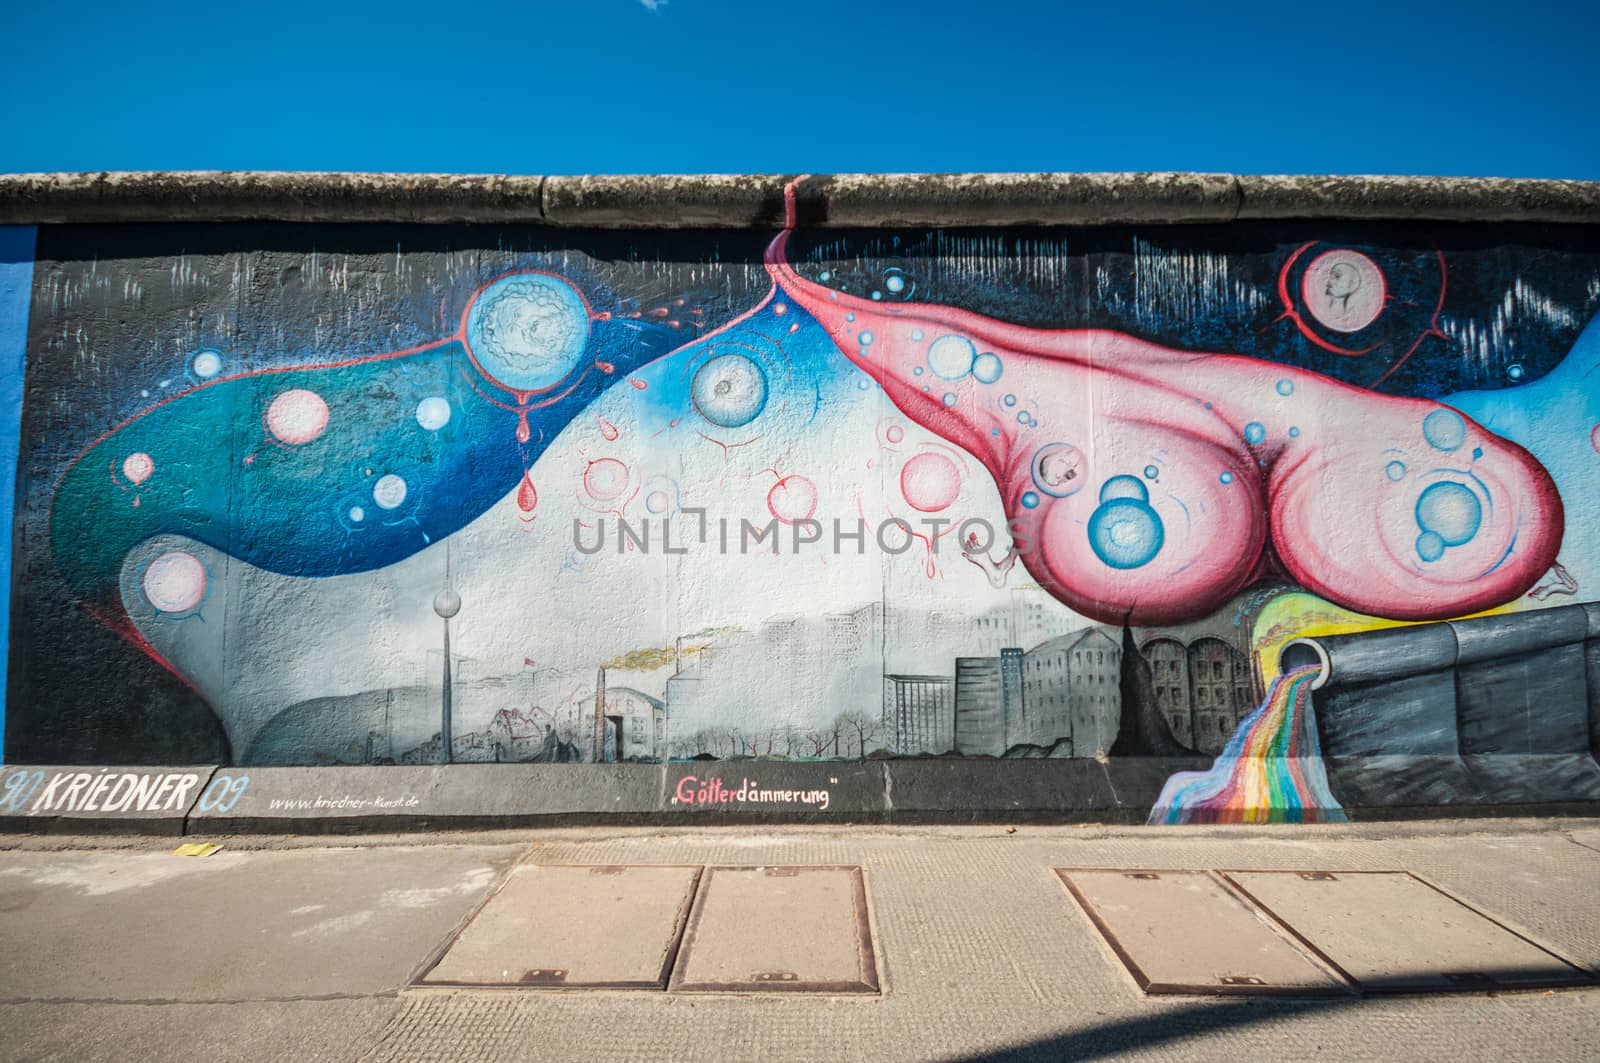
16,289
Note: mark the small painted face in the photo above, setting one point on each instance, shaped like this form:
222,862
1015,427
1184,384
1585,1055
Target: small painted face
1344,280
1058,470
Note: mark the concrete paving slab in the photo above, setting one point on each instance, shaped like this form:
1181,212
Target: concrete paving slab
288,925
1589,837
1390,931
570,927
778,929
1183,932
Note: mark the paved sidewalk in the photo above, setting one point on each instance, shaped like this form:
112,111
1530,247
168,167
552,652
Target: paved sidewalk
302,949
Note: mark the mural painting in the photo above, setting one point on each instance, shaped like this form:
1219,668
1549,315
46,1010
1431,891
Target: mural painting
415,495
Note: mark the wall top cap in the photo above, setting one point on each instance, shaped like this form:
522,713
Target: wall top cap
757,200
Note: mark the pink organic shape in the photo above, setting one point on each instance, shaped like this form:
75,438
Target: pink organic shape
1177,424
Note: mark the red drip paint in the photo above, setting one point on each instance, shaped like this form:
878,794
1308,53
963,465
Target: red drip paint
523,434
638,384
607,429
527,495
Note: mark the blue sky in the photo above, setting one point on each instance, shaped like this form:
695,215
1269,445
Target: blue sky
640,86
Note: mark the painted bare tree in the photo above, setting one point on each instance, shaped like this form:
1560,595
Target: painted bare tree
859,728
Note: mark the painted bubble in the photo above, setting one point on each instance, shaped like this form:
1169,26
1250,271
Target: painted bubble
949,398
1515,371
527,331
1444,429
433,412
1124,487
917,371
175,582
895,283
1151,472
1294,432
1029,500
792,498
1451,511
1344,290
1125,533
930,482
1395,470
951,357
730,391
206,364
656,502
297,416
916,335
605,479
1255,432
137,467
1226,478
1059,469
389,491
894,433
987,368
1285,387
1011,400
865,339
1430,546
358,514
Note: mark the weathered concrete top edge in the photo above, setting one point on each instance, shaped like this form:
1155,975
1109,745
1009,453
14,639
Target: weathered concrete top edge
757,200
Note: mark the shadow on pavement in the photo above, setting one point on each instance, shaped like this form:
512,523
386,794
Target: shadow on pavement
1192,1021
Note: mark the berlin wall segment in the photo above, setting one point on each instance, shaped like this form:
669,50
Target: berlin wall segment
798,523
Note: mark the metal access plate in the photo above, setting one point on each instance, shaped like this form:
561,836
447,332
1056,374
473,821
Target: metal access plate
1391,932
778,929
1185,932
573,927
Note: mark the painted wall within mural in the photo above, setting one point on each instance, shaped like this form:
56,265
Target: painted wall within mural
408,495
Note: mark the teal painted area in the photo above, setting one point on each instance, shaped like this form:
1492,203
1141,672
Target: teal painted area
16,287
1557,419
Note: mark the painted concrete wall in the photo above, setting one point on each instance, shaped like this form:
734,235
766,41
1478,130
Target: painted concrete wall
370,494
